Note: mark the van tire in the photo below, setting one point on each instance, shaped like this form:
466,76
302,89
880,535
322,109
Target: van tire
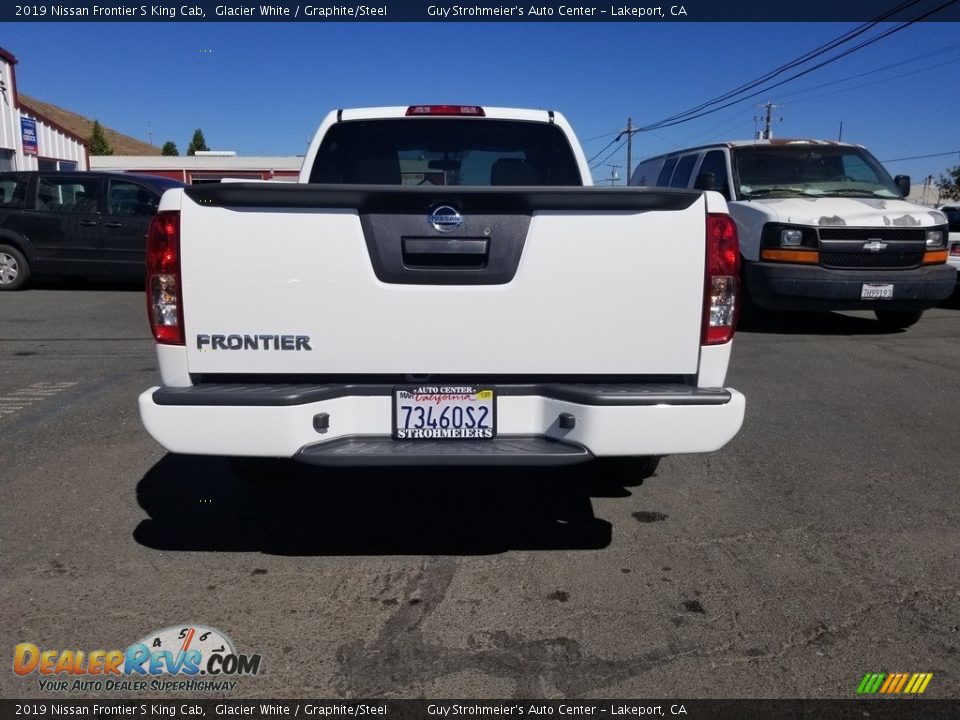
897,319
14,269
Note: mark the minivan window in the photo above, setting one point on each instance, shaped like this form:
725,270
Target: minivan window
67,194
681,176
447,151
811,170
13,189
129,199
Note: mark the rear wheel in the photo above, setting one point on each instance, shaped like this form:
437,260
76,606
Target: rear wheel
626,470
259,469
897,319
14,270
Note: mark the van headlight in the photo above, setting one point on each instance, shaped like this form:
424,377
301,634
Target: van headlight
792,237
936,239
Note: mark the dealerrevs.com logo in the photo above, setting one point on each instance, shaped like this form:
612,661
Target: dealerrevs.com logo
185,657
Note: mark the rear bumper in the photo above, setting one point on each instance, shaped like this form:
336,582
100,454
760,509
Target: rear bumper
278,421
777,286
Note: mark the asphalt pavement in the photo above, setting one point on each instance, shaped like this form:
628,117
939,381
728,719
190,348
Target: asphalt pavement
821,544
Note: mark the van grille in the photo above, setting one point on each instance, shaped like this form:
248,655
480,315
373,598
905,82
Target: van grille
842,247
856,260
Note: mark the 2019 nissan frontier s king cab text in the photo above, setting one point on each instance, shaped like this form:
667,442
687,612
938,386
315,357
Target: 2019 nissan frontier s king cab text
440,288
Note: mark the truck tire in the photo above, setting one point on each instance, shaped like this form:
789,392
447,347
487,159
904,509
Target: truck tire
256,470
14,270
627,471
897,319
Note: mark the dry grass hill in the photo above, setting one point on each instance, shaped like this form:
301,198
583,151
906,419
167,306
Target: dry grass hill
79,125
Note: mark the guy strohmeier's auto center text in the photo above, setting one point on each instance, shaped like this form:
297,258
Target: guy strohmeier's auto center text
60,11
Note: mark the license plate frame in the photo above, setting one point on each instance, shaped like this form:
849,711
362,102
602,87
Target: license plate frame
438,418
876,291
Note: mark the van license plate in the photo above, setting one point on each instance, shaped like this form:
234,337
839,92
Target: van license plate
876,291
431,412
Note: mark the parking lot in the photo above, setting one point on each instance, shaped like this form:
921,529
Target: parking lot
821,544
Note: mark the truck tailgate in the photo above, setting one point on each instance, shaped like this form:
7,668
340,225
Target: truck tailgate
374,280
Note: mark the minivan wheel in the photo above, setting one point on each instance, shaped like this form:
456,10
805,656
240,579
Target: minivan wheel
14,270
897,319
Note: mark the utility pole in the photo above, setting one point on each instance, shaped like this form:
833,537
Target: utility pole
629,133
840,134
614,175
767,132
629,147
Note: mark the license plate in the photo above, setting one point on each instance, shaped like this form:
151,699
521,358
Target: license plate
876,291
432,412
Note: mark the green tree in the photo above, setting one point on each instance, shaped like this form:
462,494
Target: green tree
98,141
949,185
198,142
169,148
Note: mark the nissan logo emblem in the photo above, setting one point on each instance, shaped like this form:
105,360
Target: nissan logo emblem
445,219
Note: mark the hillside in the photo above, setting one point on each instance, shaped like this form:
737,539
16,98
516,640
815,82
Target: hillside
78,124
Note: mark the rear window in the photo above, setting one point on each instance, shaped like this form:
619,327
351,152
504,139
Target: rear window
432,151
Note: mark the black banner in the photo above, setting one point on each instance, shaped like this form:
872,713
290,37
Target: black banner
876,709
621,11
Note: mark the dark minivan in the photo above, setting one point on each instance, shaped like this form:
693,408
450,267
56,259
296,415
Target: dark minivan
89,224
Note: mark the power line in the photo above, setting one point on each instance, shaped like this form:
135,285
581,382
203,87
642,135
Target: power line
923,157
694,113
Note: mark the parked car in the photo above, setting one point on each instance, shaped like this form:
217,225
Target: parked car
88,224
822,225
953,220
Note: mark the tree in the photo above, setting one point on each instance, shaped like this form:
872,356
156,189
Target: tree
198,143
169,148
949,185
98,141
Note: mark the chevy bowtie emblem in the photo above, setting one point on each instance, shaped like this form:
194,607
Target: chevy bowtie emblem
874,245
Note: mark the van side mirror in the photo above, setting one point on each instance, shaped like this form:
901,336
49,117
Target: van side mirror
706,181
903,184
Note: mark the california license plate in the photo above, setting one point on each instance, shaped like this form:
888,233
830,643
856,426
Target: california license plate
876,291
432,412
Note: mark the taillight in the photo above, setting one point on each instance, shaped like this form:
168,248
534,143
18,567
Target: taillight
164,303
721,286
473,110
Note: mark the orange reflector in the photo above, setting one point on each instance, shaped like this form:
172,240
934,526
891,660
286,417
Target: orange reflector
934,257
795,256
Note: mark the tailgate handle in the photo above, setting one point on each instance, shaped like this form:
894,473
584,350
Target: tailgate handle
441,253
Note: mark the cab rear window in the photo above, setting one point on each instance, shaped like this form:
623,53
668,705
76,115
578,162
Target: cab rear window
435,151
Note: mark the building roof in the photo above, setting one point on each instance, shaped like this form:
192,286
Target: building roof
194,162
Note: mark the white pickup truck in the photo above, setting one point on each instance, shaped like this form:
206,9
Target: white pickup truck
440,288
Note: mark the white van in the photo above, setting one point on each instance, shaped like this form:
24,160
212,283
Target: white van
822,225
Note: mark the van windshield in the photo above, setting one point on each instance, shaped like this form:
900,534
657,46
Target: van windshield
767,171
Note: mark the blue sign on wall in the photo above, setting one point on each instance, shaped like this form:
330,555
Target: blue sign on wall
28,131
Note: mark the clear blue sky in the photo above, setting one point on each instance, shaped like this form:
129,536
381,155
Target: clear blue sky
261,89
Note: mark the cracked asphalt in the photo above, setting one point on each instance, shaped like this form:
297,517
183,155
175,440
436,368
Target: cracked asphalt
821,544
